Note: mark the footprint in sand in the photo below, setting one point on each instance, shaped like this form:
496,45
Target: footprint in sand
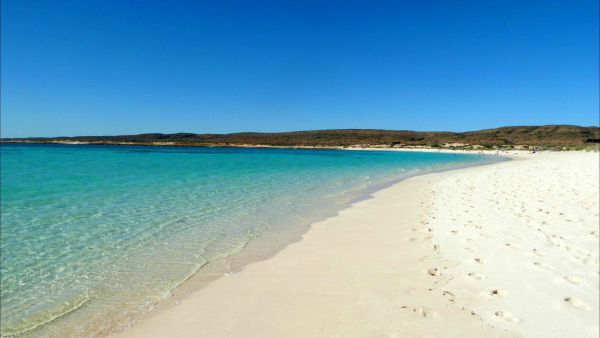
477,276
493,294
507,316
512,246
573,280
539,252
544,265
577,303
433,272
425,312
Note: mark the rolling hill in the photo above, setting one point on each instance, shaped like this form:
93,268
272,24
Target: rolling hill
549,136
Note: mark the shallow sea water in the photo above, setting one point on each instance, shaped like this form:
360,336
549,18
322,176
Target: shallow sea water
94,236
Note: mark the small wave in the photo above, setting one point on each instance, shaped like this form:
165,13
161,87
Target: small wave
31,324
186,278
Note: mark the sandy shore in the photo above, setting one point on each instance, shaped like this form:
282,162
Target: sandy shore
509,249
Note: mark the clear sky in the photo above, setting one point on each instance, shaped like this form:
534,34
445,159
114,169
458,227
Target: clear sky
121,67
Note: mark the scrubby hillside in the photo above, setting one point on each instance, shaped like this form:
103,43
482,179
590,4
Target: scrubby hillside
555,136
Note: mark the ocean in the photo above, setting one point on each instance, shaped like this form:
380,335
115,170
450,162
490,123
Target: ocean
92,236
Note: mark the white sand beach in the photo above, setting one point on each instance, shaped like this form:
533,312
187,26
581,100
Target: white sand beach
502,250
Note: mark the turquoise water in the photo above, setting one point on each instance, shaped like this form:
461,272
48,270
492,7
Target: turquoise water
92,236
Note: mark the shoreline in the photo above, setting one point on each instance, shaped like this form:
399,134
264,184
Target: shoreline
281,282
186,292
262,248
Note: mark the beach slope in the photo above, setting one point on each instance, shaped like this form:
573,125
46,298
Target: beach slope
509,249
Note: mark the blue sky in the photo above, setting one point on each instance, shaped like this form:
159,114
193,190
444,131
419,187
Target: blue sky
121,67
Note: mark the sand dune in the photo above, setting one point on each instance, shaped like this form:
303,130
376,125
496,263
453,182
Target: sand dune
509,249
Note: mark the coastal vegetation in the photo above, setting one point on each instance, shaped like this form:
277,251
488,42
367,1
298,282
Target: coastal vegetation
520,137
